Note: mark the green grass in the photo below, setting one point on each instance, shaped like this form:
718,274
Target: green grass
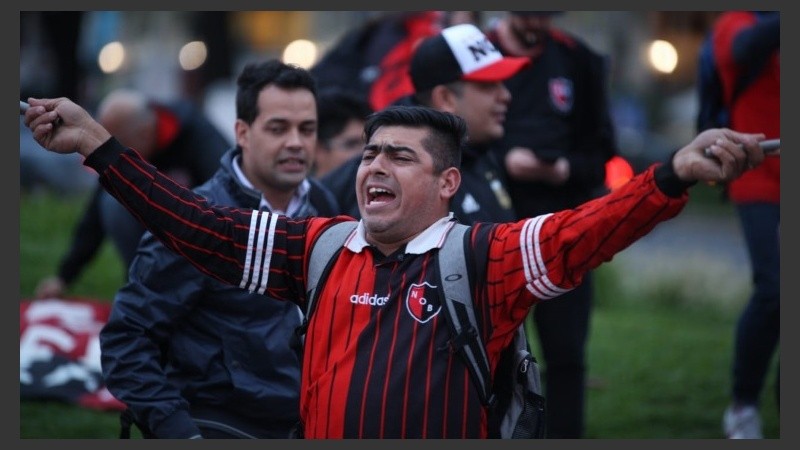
658,361
662,372
46,226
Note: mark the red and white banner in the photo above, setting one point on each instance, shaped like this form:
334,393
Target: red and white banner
59,352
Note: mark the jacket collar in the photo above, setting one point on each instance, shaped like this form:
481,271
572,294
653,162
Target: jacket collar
431,238
299,204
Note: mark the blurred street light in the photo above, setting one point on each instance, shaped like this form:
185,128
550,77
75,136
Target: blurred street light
111,57
301,52
663,56
192,55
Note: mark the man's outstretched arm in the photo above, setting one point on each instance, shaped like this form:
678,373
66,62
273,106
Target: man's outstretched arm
235,245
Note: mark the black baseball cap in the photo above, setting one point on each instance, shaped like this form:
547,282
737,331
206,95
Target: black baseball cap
460,52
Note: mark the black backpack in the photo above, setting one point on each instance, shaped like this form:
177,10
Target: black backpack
514,398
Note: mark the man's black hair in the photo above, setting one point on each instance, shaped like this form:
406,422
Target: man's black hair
257,75
335,108
448,132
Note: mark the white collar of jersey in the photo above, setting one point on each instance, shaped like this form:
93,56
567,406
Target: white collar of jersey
432,237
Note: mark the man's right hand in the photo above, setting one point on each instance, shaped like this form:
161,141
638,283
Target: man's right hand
61,126
718,155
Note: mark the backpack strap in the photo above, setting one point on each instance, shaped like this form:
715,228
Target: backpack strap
465,338
328,244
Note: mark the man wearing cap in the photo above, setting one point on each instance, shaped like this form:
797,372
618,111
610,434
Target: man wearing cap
558,137
461,72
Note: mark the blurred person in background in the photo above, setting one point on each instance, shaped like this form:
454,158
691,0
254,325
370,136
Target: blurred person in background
190,356
340,134
559,136
740,40
450,18
372,60
50,64
49,53
174,136
445,79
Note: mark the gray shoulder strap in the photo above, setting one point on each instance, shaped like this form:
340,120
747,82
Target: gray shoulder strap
453,269
459,308
328,242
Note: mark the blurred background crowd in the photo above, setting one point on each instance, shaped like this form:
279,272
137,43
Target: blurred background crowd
195,55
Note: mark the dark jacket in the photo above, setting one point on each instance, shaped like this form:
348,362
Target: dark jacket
560,107
341,181
179,345
482,196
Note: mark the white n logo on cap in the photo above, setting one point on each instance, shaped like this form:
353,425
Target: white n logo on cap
472,49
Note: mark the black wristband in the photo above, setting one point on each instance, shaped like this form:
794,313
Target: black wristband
667,180
106,154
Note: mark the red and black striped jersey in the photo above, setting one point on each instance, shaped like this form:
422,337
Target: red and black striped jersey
377,363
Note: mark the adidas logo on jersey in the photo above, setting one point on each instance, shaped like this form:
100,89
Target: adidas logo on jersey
366,299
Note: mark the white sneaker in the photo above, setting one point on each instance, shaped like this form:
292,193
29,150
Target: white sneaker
742,422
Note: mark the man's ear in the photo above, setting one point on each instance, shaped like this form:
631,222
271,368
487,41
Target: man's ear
449,182
241,130
443,99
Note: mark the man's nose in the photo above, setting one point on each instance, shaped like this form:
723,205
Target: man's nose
379,163
504,93
294,139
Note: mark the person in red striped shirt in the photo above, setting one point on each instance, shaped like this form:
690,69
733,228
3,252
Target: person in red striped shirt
377,360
